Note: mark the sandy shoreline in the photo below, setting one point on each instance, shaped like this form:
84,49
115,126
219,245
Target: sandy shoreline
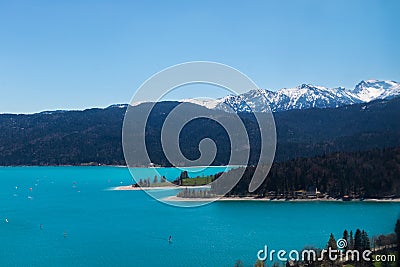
180,199
131,188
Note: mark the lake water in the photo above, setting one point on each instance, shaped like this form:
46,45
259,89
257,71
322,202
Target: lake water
129,228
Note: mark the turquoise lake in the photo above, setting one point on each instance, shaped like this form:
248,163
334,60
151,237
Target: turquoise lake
129,228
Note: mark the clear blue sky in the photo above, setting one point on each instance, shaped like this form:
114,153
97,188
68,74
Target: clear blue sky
78,54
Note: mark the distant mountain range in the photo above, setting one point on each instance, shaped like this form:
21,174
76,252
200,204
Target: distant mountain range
93,136
303,97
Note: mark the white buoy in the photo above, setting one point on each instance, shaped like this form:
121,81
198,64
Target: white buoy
6,220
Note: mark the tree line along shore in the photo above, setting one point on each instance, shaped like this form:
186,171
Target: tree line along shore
342,176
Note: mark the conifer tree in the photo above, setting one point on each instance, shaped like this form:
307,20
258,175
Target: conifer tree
346,237
332,242
351,241
358,243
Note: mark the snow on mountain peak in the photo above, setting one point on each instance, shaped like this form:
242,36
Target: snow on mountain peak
374,89
205,102
302,97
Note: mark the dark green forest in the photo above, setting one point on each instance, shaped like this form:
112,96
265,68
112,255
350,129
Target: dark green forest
93,136
368,174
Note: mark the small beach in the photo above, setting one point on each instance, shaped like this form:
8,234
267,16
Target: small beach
248,198
181,199
132,188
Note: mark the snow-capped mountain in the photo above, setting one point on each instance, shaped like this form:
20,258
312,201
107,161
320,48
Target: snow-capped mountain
373,89
303,97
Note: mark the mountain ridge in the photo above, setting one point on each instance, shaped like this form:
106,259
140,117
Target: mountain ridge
93,136
303,96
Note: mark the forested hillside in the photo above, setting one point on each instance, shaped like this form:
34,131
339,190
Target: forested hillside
94,136
368,174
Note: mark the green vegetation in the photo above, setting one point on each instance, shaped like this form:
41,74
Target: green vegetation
185,180
383,248
369,174
197,181
93,136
